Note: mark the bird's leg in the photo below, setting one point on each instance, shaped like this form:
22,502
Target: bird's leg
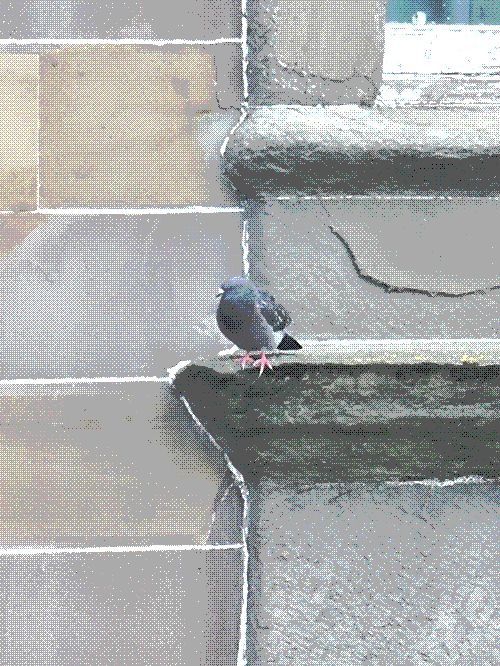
245,359
263,361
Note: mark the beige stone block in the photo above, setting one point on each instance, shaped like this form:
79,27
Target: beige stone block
18,130
15,228
124,466
119,123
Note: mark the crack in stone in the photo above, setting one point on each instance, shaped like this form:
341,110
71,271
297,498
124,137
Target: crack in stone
409,290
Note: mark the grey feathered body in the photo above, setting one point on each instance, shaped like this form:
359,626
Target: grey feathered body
241,321
250,317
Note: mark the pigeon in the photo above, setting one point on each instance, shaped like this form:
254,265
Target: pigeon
251,319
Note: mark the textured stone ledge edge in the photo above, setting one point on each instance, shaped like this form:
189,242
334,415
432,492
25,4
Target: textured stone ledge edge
320,149
481,352
423,407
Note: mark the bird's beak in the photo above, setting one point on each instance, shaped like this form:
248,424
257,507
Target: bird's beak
221,291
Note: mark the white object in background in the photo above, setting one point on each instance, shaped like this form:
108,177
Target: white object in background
441,49
419,18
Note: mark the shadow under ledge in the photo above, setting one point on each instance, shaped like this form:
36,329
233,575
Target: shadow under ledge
355,410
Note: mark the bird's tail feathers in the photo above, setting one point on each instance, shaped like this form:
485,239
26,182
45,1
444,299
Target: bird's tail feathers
288,343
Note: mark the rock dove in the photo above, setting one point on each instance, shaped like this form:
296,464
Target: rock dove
251,319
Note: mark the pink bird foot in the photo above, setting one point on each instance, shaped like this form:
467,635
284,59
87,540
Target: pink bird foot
263,362
245,359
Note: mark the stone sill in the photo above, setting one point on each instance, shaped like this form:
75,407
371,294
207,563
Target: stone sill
408,409
308,151
450,91
479,352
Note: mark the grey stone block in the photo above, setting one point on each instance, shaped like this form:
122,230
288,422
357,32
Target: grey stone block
115,295
67,19
309,52
128,607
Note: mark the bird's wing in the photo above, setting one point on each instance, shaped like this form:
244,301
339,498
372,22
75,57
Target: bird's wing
274,313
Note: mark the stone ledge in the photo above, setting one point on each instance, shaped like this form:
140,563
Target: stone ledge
477,352
439,91
347,149
356,411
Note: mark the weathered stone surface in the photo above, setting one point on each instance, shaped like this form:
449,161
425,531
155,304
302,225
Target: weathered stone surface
69,607
225,571
480,352
139,139
294,251
112,466
365,472
347,149
134,19
415,248
105,464
311,52
438,90
321,417
434,245
18,131
14,229
350,574
109,295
